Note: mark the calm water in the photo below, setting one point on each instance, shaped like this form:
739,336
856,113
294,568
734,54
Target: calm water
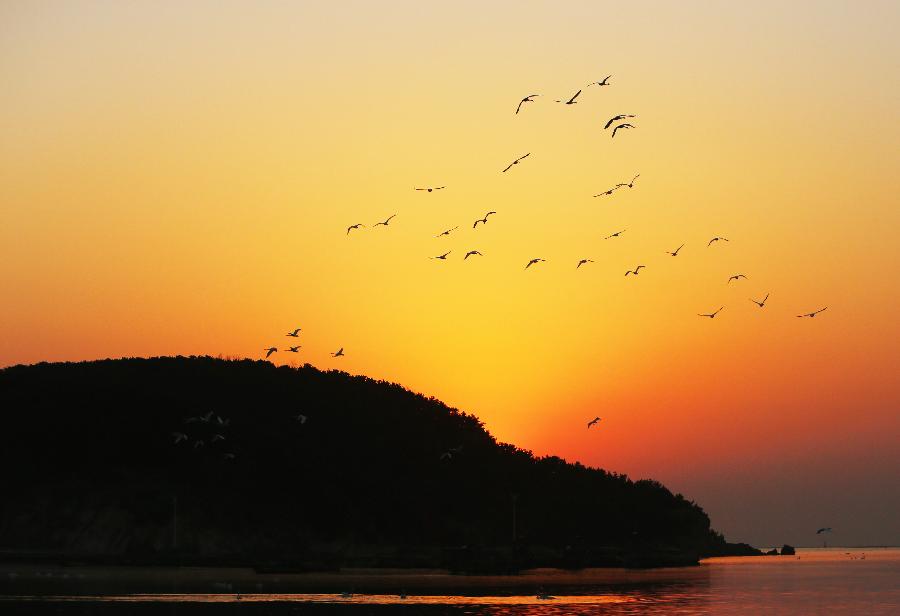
832,581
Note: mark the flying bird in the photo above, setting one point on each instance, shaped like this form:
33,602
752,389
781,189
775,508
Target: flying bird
635,271
609,192
626,125
228,456
711,315
356,226
198,444
432,188
179,436
823,530
295,333
572,100
616,234
621,116
443,257
593,422
217,437
675,254
515,162
294,349
483,220
301,418
812,314
270,350
761,304
605,82
527,99
533,261
385,223
583,261
447,232
716,239
472,252
629,184
737,277
338,353
223,422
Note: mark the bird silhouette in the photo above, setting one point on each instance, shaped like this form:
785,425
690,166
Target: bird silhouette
823,530
761,304
294,349
737,277
443,257
447,232
472,252
527,99
583,261
812,314
179,436
356,226
675,253
483,220
338,353
515,162
711,315
629,184
270,350
533,261
217,437
621,116
626,125
609,192
717,239
198,444
385,223
635,271
429,189
294,334
605,82
572,100
593,422
616,234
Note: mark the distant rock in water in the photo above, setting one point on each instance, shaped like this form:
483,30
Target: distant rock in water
211,461
772,552
788,550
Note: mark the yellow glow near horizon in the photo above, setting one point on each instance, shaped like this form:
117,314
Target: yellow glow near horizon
178,179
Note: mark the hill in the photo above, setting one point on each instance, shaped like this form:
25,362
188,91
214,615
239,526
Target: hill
300,468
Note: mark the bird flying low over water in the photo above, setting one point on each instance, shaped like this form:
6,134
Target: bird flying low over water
356,226
812,314
338,353
761,304
621,116
385,222
605,82
447,232
515,162
270,350
533,261
635,271
294,334
593,422
717,239
572,100
675,254
527,99
616,234
626,125
737,277
443,257
294,349
711,315
483,220
583,261
472,252
429,189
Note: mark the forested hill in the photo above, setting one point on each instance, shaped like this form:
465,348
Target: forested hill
304,467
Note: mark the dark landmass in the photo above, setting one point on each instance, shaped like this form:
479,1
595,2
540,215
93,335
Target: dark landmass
311,471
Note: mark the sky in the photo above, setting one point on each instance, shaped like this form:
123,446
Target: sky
178,178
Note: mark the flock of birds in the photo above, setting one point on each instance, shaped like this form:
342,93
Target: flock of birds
620,121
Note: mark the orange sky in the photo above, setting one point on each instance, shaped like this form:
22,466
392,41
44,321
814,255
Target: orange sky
179,180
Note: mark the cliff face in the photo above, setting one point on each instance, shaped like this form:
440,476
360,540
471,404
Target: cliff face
274,461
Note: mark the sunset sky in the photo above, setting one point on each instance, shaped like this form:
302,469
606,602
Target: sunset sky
177,178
